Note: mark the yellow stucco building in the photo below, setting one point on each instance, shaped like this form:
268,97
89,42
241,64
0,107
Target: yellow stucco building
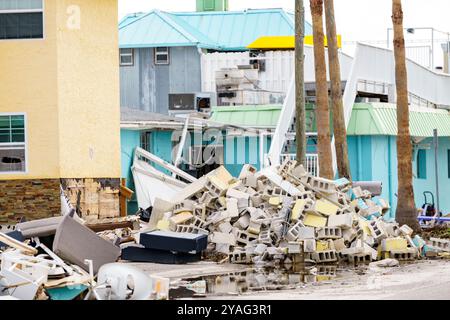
59,106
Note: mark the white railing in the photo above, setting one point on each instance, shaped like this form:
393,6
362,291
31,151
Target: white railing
311,162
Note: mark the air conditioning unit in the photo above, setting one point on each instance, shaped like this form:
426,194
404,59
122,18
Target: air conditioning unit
183,103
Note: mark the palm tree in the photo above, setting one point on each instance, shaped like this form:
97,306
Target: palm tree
406,209
340,130
322,110
300,126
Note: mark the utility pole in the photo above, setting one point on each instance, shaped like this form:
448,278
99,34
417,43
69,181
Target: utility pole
300,125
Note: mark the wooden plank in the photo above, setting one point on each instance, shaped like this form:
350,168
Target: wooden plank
13,243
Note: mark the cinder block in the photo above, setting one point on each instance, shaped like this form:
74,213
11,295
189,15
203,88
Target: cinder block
440,244
339,244
260,249
299,172
247,170
180,218
344,221
313,220
406,230
223,248
233,193
329,233
306,233
309,245
266,237
244,238
225,227
294,247
322,245
325,207
376,230
325,256
186,205
320,184
232,207
216,186
403,255
243,222
298,210
223,238
274,201
390,244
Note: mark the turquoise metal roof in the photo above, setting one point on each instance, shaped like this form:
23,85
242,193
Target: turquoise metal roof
224,30
258,116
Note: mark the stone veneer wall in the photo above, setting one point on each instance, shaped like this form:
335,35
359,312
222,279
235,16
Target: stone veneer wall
32,199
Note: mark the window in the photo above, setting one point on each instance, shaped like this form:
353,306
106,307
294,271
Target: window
12,143
421,164
162,55
22,19
126,57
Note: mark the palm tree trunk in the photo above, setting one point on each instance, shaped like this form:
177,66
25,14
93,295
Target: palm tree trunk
300,126
406,209
322,110
340,130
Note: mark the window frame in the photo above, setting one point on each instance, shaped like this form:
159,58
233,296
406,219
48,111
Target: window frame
156,54
128,55
28,11
24,144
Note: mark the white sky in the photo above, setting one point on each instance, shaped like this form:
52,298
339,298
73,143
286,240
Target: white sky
357,20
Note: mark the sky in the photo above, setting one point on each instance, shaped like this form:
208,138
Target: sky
357,20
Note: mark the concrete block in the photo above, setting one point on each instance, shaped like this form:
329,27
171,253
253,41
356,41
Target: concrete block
260,249
322,245
244,238
256,199
247,170
329,233
298,210
377,231
239,257
225,227
180,218
392,229
191,229
306,233
216,186
272,251
294,247
406,230
440,244
320,184
325,256
232,207
223,248
251,181
309,245
254,227
339,244
293,232
243,222
360,258
344,221
223,238
275,201
313,220
163,225
197,222
325,207
299,172
369,250
266,237
186,205
404,255
390,244
233,193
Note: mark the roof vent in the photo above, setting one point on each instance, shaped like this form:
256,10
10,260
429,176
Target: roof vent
212,5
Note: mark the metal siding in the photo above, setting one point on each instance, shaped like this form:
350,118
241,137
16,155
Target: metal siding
147,81
129,84
162,78
184,69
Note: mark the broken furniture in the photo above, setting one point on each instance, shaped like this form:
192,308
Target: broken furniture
75,243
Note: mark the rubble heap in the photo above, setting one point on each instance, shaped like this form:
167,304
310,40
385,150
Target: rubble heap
281,213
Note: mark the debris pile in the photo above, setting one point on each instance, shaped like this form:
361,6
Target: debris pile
80,264
283,213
